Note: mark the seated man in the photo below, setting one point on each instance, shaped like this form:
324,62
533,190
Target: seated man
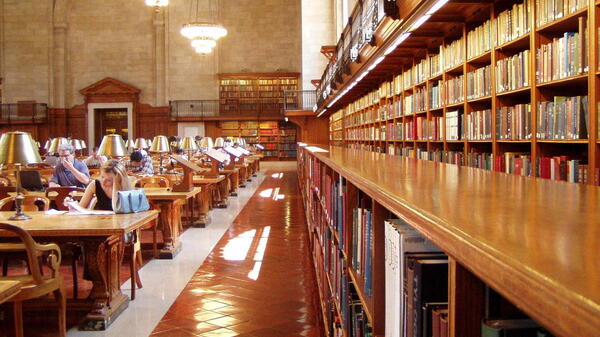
95,161
69,171
140,164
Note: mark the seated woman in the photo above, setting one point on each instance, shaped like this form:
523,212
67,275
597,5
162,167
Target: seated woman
113,178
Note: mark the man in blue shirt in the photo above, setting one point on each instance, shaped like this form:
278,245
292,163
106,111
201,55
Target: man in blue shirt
69,171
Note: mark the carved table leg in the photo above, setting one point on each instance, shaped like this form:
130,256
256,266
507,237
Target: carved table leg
103,258
202,203
168,223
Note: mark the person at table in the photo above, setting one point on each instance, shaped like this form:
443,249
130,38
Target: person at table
69,171
140,164
113,178
95,160
52,159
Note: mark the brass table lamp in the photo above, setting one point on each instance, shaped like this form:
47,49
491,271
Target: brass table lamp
160,144
18,148
206,143
129,144
219,143
56,143
140,143
188,144
113,146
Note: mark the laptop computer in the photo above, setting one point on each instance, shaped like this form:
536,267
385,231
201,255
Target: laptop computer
32,181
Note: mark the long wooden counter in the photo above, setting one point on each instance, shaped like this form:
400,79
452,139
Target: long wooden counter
536,241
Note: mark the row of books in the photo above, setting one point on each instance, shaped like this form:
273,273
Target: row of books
564,56
550,10
564,118
416,278
512,72
479,125
453,54
512,23
479,82
479,40
563,168
518,163
259,81
362,246
514,122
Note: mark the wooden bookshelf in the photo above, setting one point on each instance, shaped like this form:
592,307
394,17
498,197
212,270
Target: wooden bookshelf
365,122
279,138
538,250
255,92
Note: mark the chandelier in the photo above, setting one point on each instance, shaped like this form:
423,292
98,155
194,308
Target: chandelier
203,33
157,3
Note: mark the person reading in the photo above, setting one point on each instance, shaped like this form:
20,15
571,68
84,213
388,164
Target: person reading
113,178
140,164
95,160
69,171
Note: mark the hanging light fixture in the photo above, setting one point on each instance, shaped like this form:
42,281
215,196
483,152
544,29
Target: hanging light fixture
203,33
157,4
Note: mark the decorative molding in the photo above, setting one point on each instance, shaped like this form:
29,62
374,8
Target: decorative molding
108,87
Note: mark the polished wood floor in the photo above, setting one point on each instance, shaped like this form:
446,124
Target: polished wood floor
258,280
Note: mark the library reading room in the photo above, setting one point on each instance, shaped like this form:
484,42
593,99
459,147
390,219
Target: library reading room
289,168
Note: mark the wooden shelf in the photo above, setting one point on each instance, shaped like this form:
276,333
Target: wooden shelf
483,58
565,141
454,105
579,79
480,99
497,255
563,23
519,91
519,43
513,141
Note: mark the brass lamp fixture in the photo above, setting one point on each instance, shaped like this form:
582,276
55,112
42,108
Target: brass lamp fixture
140,143
188,144
219,143
76,144
129,144
113,146
56,143
160,144
47,144
206,143
18,148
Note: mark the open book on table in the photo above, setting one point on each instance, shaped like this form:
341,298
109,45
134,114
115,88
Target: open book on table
76,209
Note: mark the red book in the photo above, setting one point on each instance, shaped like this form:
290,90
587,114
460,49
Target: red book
518,165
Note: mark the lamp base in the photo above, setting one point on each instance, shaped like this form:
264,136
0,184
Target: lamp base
19,217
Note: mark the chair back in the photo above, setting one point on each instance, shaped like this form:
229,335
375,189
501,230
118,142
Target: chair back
153,181
31,203
60,193
29,245
5,181
4,190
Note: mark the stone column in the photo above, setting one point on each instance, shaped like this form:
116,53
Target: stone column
160,58
59,57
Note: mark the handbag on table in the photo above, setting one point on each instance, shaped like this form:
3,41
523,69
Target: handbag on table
131,201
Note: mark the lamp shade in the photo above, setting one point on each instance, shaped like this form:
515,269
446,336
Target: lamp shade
219,142
140,143
188,144
241,142
207,143
160,144
76,144
129,143
47,144
83,145
18,147
56,143
113,145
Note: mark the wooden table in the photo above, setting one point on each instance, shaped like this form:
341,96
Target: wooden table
8,289
169,203
233,176
102,239
209,191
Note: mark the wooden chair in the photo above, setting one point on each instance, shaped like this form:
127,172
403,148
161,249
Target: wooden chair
60,193
133,254
30,203
153,181
4,181
34,284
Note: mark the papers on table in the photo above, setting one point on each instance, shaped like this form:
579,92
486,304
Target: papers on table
235,152
54,212
76,209
217,155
